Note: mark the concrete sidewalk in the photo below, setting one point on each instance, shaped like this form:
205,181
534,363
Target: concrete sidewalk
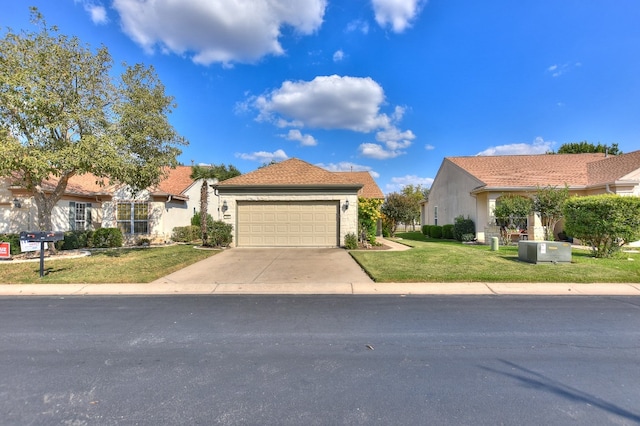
533,289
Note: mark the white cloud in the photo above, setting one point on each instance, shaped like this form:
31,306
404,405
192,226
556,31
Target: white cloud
346,166
221,31
338,56
264,156
557,70
96,11
335,102
358,25
429,147
397,183
539,146
378,152
398,14
327,102
296,135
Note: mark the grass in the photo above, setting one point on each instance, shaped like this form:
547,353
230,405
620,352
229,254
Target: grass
433,260
135,265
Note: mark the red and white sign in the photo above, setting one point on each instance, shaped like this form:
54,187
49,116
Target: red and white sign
5,250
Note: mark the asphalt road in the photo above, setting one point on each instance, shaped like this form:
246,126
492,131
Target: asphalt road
298,360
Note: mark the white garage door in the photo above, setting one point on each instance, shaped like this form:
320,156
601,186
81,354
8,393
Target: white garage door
288,224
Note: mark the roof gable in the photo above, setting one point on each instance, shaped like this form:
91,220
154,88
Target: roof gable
291,172
611,169
523,171
370,188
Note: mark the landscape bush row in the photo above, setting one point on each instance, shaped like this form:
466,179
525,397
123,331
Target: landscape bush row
463,229
73,240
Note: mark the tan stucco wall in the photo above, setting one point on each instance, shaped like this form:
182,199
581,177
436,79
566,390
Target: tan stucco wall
451,194
348,222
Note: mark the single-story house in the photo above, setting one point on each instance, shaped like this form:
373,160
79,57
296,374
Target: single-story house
291,203
472,186
294,204
90,203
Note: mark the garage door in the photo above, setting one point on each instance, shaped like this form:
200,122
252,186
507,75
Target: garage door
288,224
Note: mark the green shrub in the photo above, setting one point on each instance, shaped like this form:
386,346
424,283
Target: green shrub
107,238
435,231
447,232
603,221
425,230
350,241
462,226
467,238
185,234
220,234
13,240
74,240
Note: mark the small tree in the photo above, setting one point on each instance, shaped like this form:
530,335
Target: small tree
415,194
396,208
547,203
605,222
368,215
511,212
219,172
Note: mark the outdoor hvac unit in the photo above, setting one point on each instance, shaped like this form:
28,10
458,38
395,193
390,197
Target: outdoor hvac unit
544,251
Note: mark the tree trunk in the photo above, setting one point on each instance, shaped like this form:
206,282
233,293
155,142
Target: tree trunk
204,202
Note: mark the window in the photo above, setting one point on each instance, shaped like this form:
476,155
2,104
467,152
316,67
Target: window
79,216
133,218
435,215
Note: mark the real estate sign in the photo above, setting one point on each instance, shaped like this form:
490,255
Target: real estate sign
5,250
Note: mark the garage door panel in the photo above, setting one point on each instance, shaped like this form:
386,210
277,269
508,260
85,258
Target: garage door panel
307,223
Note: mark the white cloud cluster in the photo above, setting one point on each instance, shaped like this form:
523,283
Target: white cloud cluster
336,102
398,14
397,183
338,56
346,166
539,146
96,11
296,135
223,31
263,156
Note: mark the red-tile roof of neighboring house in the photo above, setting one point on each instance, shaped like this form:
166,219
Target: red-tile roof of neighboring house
525,171
613,168
370,188
175,183
291,172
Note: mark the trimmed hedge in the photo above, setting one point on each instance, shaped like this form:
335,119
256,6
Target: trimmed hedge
447,232
74,240
107,238
185,234
425,230
435,231
220,235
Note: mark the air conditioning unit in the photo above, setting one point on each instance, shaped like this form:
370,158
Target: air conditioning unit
544,251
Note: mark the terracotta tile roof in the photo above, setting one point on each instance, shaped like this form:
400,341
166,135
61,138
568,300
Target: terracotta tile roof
86,184
522,171
370,188
290,172
176,182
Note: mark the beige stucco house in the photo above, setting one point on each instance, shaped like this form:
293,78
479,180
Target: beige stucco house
87,204
471,186
295,204
291,203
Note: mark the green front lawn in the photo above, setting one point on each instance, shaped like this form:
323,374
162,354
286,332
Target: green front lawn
131,265
433,260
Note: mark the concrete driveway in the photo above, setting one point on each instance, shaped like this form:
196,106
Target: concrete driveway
273,266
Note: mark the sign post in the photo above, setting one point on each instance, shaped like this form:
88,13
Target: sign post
42,237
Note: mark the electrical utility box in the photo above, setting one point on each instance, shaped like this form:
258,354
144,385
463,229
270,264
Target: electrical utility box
544,251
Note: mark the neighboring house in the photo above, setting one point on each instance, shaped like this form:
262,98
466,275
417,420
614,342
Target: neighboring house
471,186
294,204
86,204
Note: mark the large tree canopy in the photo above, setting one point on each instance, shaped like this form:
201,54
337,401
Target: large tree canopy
62,114
587,147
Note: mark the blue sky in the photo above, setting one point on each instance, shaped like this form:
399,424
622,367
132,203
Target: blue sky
388,86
